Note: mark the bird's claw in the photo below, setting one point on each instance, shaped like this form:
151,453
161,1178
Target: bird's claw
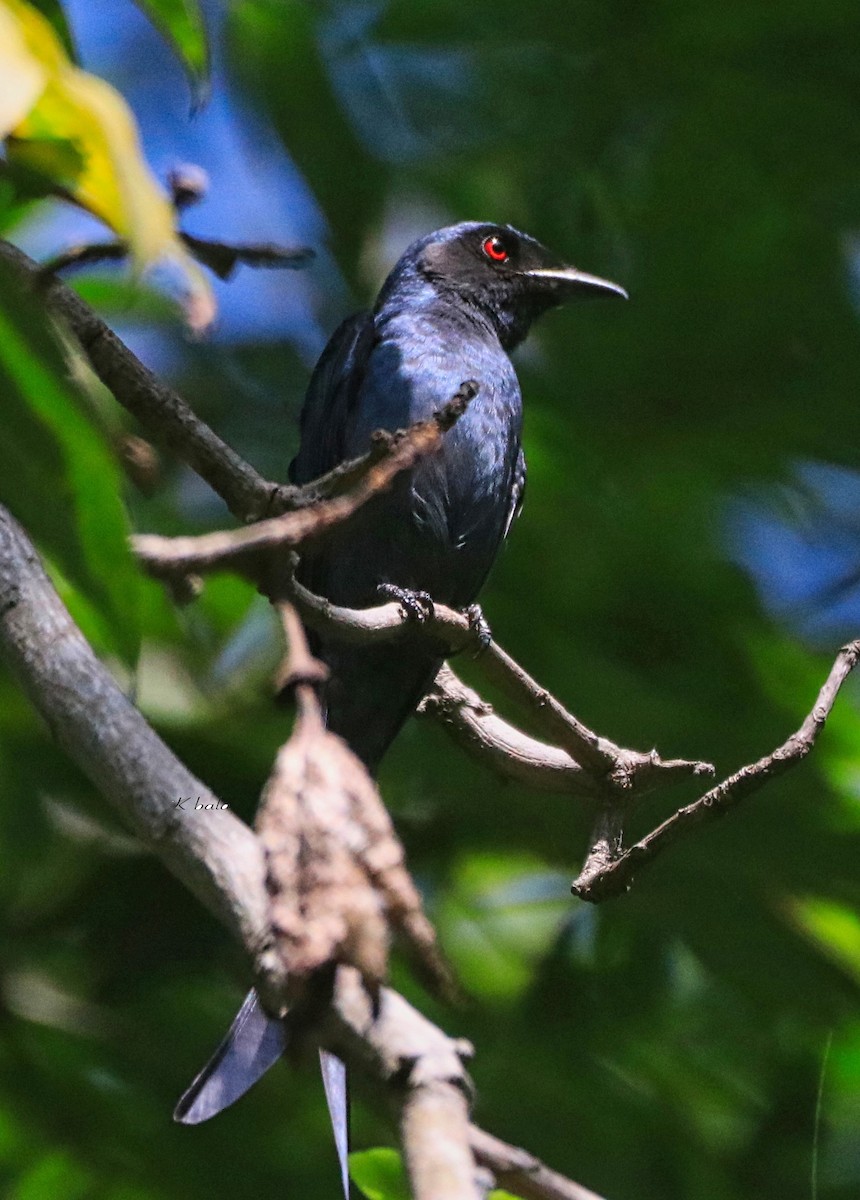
478,624
417,606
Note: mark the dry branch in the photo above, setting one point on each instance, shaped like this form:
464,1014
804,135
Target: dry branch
601,879
609,768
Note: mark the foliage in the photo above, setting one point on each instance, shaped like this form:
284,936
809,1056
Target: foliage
669,1044
68,131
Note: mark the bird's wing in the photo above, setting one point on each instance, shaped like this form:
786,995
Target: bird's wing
518,491
331,397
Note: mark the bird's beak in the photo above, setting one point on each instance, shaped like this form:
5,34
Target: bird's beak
577,283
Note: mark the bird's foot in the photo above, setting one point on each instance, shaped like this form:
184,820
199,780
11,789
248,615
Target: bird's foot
474,614
417,606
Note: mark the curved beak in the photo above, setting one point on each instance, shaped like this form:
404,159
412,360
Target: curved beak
577,283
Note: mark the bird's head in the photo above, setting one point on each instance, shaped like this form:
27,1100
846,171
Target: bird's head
507,276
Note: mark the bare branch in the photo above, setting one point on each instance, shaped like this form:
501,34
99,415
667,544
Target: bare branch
578,754
223,257
371,625
502,747
616,876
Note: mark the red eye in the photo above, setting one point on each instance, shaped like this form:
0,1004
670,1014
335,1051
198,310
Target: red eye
495,250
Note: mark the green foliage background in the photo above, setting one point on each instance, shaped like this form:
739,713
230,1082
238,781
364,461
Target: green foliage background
669,1044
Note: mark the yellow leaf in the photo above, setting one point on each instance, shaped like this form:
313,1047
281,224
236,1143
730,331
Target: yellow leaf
22,77
108,176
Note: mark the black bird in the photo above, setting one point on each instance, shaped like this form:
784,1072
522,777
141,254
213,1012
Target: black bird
455,305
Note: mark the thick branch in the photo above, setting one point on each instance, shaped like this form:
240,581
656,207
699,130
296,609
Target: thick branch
616,876
213,852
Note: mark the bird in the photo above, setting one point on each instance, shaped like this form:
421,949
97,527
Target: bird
455,305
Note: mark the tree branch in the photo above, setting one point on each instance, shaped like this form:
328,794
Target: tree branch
506,750
219,859
600,880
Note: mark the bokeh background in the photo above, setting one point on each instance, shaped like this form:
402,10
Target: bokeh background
686,565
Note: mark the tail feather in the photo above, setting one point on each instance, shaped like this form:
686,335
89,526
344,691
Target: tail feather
373,691
254,1042
336,1086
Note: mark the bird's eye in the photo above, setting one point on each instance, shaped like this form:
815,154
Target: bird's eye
494,249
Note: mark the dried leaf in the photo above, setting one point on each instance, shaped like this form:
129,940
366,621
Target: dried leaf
336,869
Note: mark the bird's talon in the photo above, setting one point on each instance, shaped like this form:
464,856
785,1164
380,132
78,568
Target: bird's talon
417,606
479,627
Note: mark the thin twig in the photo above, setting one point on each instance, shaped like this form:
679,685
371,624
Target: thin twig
615,769
616,876
221,258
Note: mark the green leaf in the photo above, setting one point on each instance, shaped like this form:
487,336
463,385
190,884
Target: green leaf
380,1174
57,475
181,22
834,927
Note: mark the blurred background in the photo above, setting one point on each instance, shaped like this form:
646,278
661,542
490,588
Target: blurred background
686,565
